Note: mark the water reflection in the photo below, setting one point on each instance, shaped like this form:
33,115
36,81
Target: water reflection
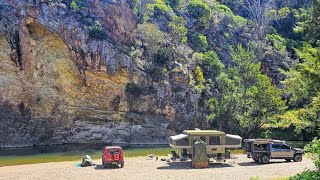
67,149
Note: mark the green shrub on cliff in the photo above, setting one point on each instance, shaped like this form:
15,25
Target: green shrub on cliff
225,9
77,5
199,78
199,42
174,3
210,63
178,29
97,31
163,56
158,10
151,36
211,59
199,10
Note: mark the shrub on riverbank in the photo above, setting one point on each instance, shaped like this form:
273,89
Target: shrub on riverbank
306,175
314,149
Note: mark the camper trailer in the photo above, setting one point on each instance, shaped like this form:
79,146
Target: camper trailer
218,144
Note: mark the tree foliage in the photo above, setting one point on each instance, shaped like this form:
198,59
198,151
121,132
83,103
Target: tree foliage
178,29
210,63
163,56
247,100
199,10
309,22
199,42
152,37
303,86
240,96
199,78
158,10
263,12
212,60
174,3
278,42
313,150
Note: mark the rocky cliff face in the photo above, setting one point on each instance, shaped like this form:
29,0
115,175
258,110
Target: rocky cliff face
63,80
58,85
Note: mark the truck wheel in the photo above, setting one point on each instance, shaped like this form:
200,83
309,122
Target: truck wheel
264,159
122,165
297,158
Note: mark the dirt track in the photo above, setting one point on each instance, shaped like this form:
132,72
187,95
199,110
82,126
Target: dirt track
145,168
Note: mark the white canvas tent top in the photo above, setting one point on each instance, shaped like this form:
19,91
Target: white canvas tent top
178,137
234,136
213,138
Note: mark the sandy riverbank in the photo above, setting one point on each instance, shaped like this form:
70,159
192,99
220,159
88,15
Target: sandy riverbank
145,168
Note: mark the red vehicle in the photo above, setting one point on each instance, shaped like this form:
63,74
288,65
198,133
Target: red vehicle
112,155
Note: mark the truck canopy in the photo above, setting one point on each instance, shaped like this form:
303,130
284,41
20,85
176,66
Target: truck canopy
262,141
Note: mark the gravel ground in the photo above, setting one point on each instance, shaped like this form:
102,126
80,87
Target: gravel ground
146,168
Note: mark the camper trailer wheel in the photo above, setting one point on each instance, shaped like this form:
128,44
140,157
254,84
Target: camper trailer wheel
264,159
255,159
122,165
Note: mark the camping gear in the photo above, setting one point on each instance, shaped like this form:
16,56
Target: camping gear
112,155
199,157
175,156
86,161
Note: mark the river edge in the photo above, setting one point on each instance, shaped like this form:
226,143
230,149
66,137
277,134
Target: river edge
242,168
71,152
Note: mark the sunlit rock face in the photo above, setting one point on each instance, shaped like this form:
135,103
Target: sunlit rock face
58,85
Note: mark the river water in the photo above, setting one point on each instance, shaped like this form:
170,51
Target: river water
94,148
73,149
